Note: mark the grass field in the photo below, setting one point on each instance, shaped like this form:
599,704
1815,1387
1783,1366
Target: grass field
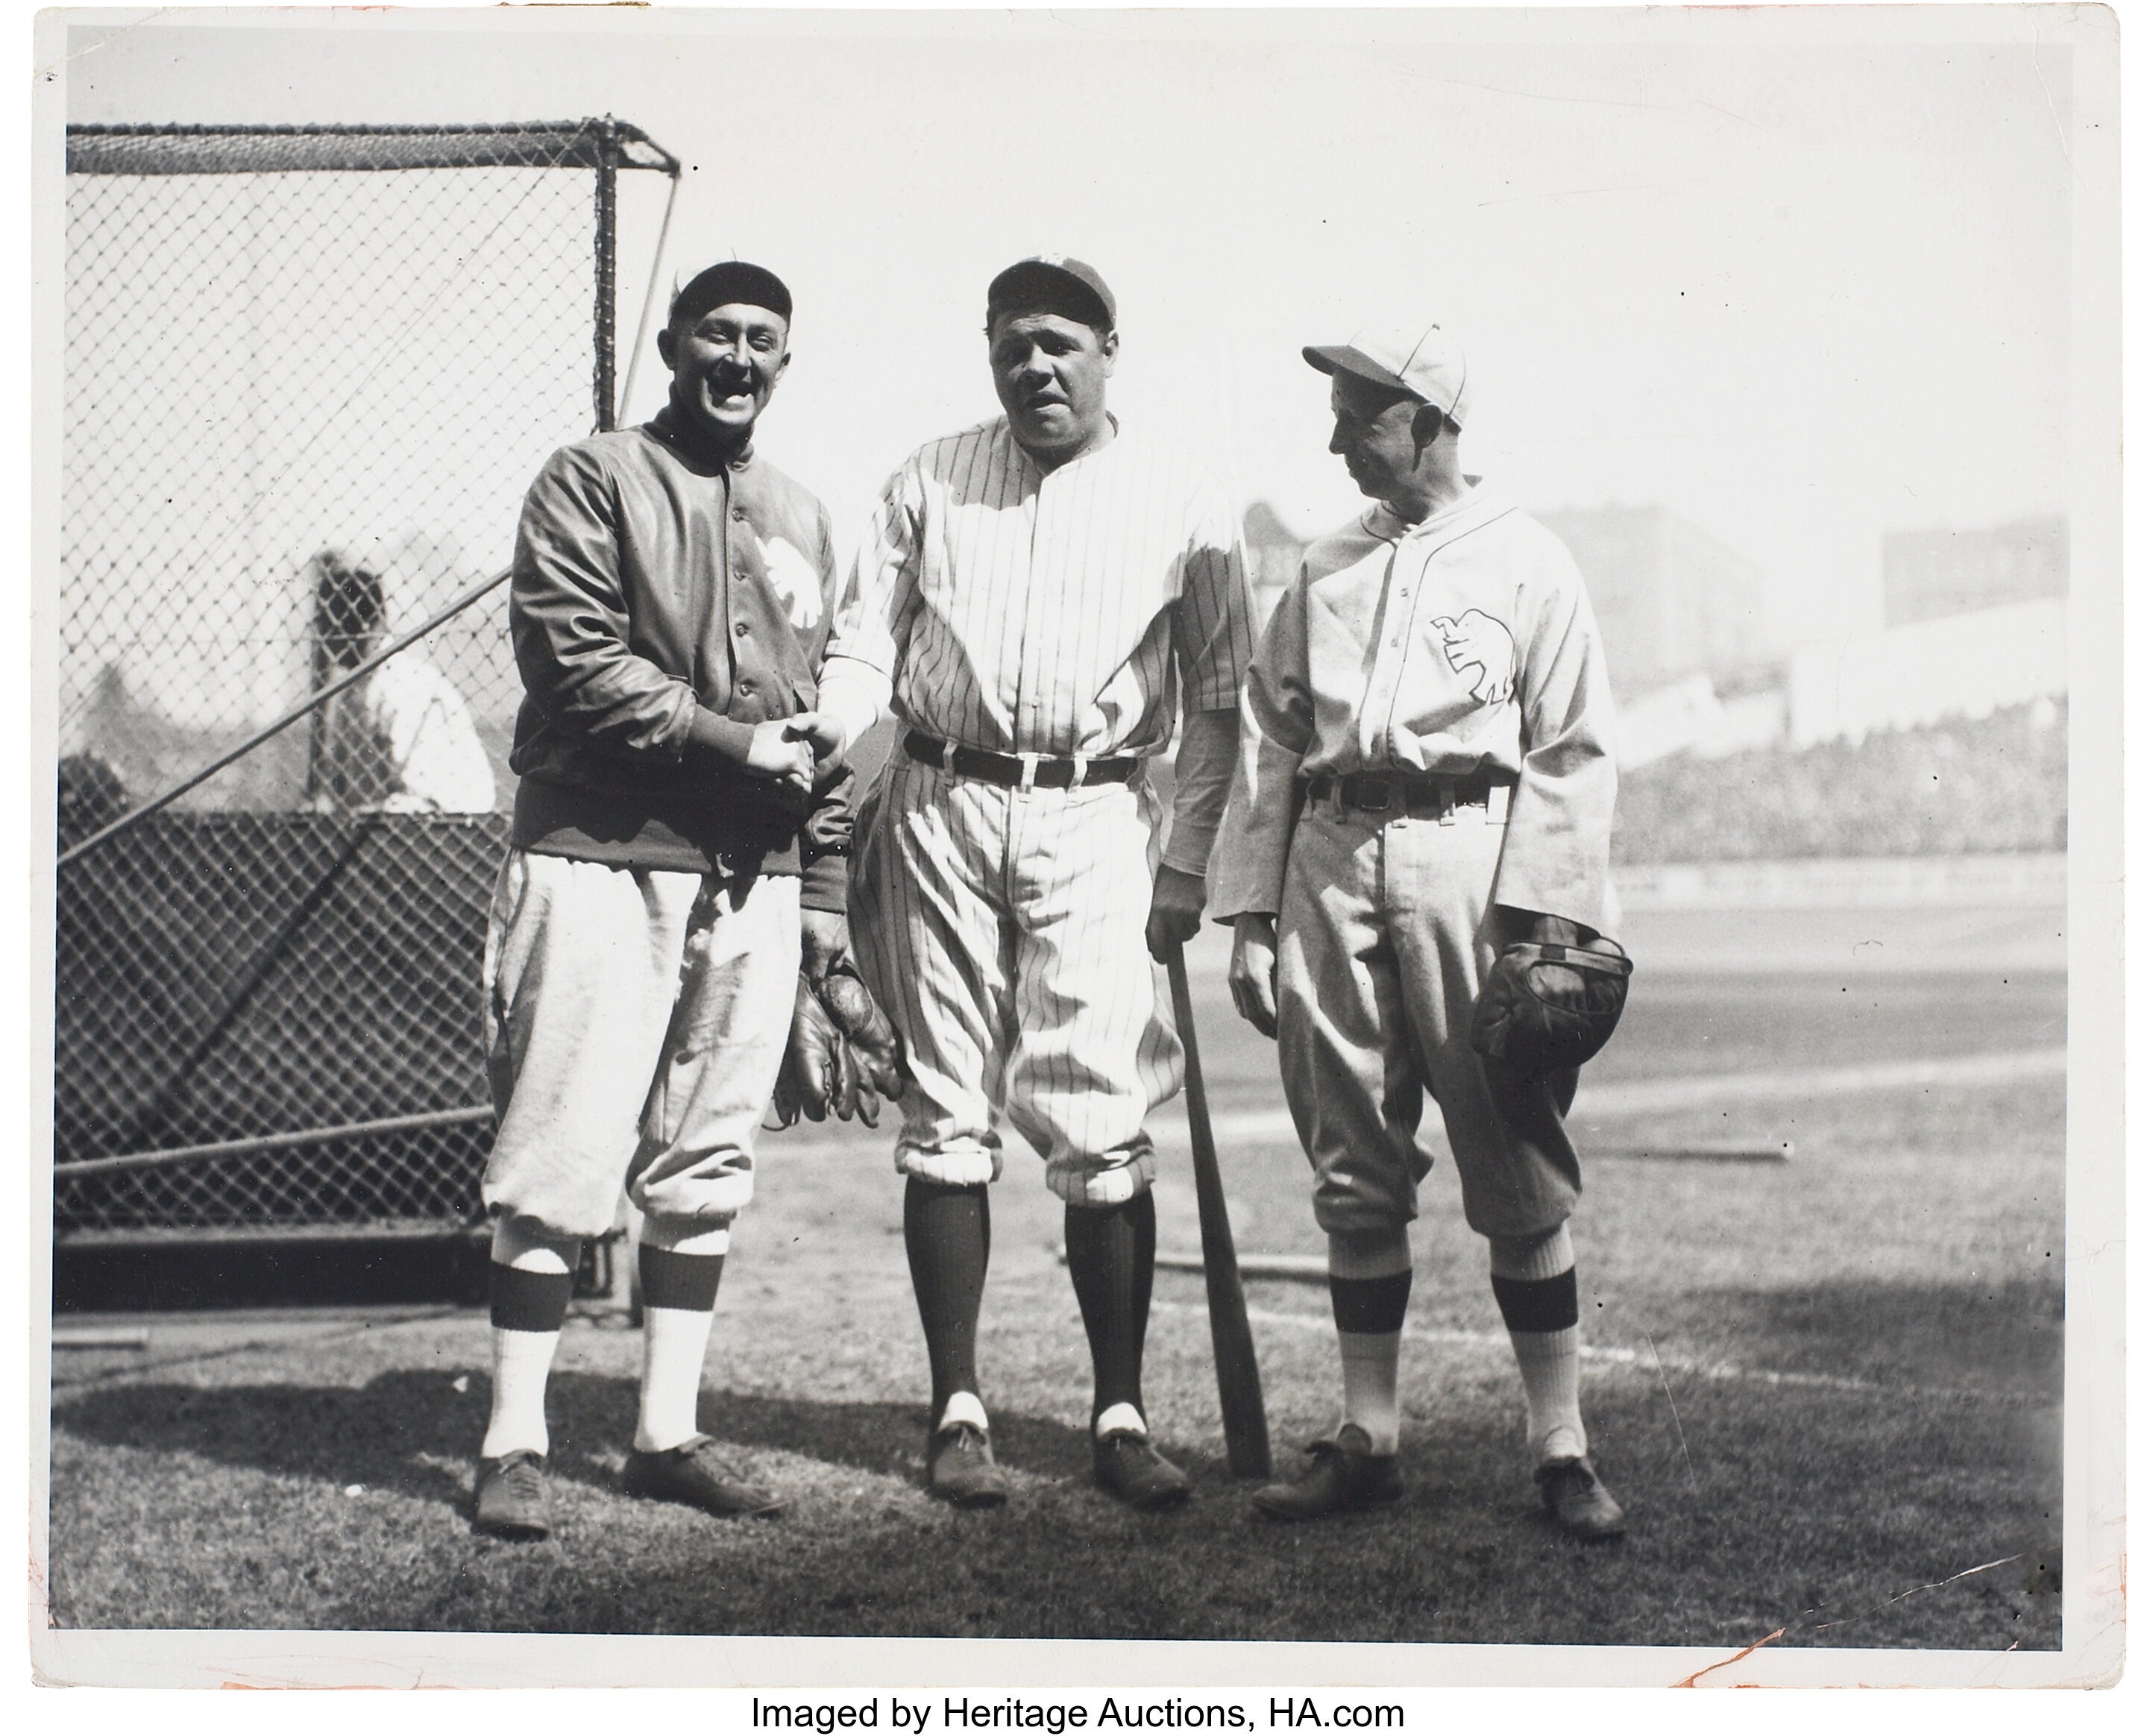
1824,1389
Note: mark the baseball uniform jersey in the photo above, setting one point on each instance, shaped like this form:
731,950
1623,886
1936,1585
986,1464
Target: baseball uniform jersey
1463,646
1061,615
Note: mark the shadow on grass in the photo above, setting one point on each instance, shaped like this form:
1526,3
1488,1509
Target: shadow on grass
1888,1513
396,1431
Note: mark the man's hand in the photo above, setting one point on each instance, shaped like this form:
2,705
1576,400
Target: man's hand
776,756
1252,972
823,942
1179,905
823,734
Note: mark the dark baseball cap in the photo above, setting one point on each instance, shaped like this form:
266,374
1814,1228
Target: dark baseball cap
1053,283
728,282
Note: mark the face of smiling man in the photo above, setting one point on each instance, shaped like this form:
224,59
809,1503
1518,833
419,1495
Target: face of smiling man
726,363
1051,375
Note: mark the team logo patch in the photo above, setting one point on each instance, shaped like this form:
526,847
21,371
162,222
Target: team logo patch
794,582
1477,642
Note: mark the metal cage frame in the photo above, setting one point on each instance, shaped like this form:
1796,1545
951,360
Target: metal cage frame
457,1134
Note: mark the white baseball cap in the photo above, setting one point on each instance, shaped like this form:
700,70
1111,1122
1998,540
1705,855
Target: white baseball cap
1417,355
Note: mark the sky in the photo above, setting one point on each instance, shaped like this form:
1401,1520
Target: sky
1804,278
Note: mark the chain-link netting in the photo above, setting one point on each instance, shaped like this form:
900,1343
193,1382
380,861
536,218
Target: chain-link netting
309,374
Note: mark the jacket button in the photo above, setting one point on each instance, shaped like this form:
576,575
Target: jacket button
748,686
741,512
741,629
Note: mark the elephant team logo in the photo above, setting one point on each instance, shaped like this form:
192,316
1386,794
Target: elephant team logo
1477,642
794,581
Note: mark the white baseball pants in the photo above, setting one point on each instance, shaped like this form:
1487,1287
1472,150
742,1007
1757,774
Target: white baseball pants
635,1021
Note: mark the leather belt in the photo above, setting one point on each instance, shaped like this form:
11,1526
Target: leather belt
1019,771
1418,792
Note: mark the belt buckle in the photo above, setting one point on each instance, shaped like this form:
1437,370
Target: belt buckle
1384,786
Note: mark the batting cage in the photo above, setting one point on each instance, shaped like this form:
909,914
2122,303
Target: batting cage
309,373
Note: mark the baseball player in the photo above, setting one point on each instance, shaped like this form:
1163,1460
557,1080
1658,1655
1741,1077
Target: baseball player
1036,597
671,873
1424,775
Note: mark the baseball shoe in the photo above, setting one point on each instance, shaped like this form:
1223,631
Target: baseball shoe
697,1473
962,1468
1344,1476
511,1498
1578,1500
1130,1467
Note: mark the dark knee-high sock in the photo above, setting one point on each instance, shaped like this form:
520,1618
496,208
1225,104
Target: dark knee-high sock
1110,1248
947,1247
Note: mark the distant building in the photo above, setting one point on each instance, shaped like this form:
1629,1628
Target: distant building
1931,573
1670,599
1967,664
1275,552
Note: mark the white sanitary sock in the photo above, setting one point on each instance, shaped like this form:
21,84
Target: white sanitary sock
675,1341
1370,1374
517,1422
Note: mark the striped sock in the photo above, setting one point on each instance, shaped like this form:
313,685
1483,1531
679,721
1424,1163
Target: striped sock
526,1302
1538,1293
1371,1275
681,1293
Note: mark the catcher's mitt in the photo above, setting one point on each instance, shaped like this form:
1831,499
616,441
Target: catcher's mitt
1544,1007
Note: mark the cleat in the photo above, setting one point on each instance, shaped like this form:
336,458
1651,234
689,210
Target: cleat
697,1473
1578,1500
962,1468
1344,1476
510,1498
1130,1467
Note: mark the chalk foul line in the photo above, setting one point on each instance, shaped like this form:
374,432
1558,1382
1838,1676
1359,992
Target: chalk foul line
1621,1356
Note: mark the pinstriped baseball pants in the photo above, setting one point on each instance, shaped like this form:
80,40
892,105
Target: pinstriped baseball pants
1004,933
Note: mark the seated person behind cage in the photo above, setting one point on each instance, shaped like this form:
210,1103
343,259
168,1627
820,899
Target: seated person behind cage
400,741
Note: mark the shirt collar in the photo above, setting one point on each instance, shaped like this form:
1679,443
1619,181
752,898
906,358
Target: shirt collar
672,430
1476,507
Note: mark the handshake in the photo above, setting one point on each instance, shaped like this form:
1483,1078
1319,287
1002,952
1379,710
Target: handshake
841,1053
795,751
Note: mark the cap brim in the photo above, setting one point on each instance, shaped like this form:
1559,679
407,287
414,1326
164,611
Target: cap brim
1345,358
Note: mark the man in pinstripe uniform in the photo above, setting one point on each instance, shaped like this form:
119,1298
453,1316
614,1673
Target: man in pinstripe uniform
1035,596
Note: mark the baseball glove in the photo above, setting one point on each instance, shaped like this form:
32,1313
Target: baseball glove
817,1074
1545,1007
840,1054
871,1044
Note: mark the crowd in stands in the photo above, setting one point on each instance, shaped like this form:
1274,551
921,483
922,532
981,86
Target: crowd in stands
1962,787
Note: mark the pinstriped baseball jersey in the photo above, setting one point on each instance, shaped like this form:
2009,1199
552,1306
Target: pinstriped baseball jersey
1056,614
1062,613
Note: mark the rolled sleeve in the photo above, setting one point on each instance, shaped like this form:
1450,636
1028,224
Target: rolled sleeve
569,624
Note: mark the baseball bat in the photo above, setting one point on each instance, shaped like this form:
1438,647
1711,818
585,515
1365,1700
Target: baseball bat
1234,1360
